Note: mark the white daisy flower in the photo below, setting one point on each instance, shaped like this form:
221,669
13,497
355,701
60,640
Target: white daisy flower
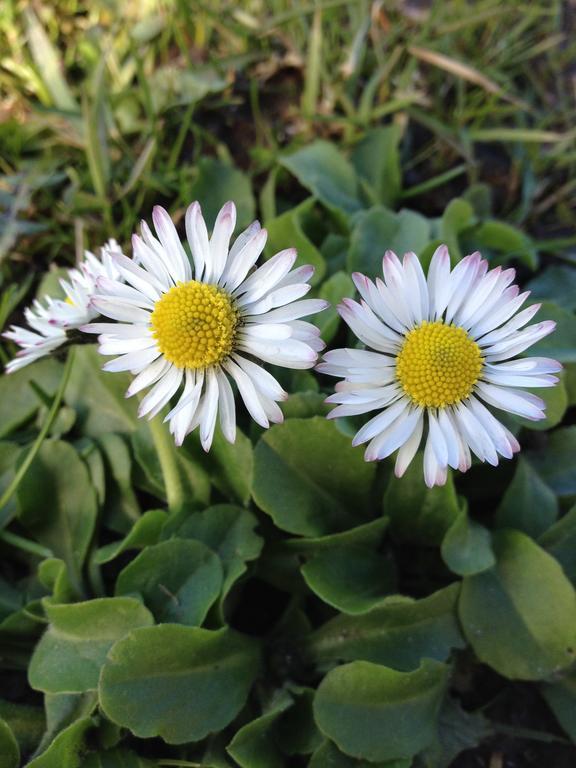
49,322
200,324
438,350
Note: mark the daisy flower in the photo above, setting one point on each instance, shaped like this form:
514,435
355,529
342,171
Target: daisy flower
49,321
438,351
203,323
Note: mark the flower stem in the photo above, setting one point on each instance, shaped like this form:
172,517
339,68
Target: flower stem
36,445
167,456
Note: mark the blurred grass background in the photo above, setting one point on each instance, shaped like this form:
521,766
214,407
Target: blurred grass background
108,107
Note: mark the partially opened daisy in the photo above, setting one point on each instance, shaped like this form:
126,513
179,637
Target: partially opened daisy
204,323
438,351
50,322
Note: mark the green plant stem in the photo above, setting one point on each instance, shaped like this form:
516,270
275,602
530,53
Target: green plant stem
166,451
36,445
25,544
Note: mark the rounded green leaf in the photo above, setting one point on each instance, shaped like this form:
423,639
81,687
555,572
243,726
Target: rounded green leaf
351,578
467,547
179,580
329,756
230,532
71,652
179,683
9,749
520,616
377,713
398,633
58,503
309,479
528,505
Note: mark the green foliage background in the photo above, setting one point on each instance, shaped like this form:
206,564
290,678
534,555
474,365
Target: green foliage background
301,607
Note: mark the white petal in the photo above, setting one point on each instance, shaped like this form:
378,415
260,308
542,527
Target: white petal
197,235
393,436
220,242
166,231
120,310
227,407
439,281
148,376
407,451
133,361
517,343
209,408
379,423
512,400
161,393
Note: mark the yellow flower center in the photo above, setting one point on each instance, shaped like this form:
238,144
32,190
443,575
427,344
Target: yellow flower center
69,301
194,325
438,364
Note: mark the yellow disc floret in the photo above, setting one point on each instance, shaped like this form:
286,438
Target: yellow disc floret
438,364
194,325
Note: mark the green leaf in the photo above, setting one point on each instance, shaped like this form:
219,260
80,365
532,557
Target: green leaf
378,230
419,514
18,401
230,466
520,616
71,652
561,698
458,730
456,219
178,579
66,523
467,547
287,230
121,500
528,503
144,532
555,464
560,542
561,344
9,455
216,183
351,578
398,633
26,722
179,683
48,63
63,709
68,748
336,288
304,488
117,758
557,284
230,532
254,745
376,158
329,756
296,732
53,574
9,749
377,713
99,397
507,242
327,175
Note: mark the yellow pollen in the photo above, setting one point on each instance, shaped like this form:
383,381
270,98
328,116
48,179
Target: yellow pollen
194,325
438,364
69,301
